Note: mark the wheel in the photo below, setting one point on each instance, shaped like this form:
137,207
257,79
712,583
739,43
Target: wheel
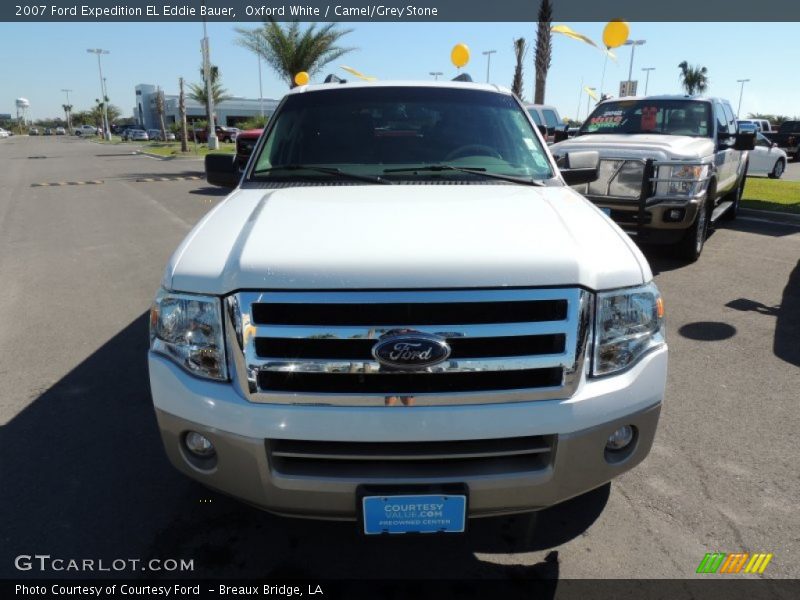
778,169
735,196
691,244
471,148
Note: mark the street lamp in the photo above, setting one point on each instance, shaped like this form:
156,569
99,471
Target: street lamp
99,52
633,44
488,55
647,79
435,75
260,89
741,92
213,143
69,112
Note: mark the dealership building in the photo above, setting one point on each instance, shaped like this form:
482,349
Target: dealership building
230,112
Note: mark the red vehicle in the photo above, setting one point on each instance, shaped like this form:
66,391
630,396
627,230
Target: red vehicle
224,134
245,142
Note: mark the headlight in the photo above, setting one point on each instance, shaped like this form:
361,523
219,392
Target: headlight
188,329
681,180
628,323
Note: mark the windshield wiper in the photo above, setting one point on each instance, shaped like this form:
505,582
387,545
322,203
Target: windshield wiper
471,171
327,171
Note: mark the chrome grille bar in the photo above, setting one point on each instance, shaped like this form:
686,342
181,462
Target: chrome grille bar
251,370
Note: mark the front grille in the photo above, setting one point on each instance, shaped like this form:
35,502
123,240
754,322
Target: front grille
452,459
316,347
617,178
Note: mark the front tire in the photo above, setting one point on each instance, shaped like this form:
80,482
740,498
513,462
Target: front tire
691,244
778,169
735,196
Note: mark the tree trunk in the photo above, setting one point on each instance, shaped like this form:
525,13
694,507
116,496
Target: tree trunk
541,81
182,108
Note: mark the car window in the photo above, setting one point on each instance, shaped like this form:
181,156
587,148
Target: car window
535,116
762,141
550,117
730,118
722,119
367,130
671,117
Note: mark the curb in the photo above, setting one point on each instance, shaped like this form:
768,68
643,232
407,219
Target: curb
771,215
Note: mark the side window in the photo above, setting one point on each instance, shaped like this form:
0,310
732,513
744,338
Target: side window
550,118
722,119
535,116
731,118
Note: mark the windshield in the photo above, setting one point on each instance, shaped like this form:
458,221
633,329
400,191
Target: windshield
670,117
388,131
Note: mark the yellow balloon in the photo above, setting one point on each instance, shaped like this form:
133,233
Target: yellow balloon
301,78
616,33
460,55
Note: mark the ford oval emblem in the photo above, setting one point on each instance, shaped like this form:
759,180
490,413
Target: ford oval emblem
410,351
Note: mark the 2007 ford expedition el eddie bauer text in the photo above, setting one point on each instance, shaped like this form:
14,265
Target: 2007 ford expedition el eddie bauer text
403,315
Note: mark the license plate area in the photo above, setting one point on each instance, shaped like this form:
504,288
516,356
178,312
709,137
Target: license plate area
414,509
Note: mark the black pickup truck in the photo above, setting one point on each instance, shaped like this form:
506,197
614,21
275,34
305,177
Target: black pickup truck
788,138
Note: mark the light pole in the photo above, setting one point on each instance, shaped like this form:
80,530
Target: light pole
99,52
213,143
633,44
69,113
647,78
435,75
488,55
741,93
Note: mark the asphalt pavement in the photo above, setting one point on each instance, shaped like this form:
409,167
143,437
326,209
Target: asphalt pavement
84,475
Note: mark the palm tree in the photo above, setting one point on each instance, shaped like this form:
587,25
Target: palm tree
289,50
694,79
520,50
198,91
544,49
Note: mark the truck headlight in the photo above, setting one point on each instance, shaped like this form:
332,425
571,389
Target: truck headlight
681,180
628,323
187,328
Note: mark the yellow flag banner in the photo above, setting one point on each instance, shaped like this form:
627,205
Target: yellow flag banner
571,33
590,92
358,74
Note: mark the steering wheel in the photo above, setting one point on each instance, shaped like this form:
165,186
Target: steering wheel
470,149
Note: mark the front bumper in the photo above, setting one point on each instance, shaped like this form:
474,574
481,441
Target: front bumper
239,430
655,227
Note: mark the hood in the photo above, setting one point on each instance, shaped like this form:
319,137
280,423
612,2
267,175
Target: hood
637,145
404,237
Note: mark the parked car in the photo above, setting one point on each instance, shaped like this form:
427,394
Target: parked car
61,131
750,126
4,133
85,130
138,135
546,118
787,137
224,134
48,131
766,158
33,131
670,166
359,370
155,134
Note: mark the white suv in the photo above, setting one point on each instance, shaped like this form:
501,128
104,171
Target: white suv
404,316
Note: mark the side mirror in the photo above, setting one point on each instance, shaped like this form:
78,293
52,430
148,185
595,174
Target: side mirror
745,140
580,167
774,144
221,170
560,135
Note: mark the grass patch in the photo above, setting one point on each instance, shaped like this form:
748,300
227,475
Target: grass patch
772,194
174,148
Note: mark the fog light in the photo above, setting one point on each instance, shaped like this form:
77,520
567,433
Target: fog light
620,439
674,215
199,445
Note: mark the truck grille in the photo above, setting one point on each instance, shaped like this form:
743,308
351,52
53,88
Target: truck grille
316,347
370,460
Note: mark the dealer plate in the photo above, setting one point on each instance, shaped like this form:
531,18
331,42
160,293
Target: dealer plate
428,513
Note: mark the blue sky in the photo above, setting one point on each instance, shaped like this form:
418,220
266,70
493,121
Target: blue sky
42,58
